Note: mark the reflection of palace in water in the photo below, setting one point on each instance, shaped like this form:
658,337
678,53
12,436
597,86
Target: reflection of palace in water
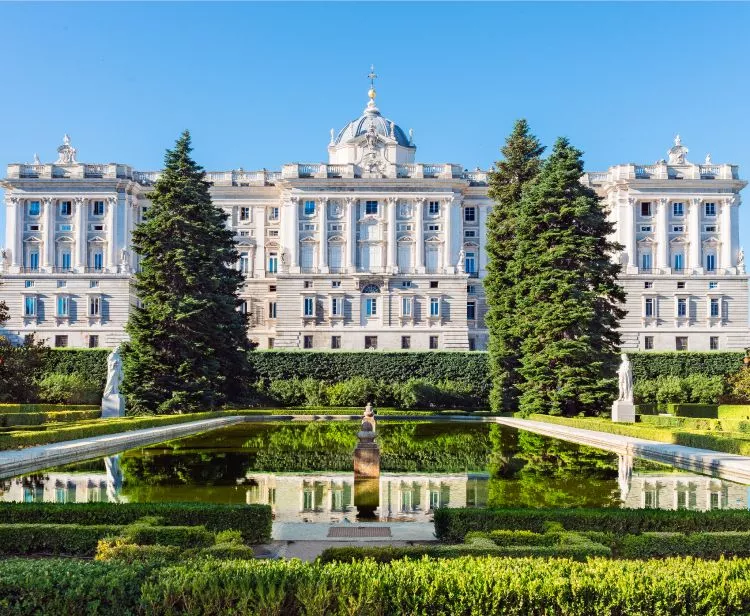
327,497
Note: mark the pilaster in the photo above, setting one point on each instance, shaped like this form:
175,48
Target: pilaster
391,259
48,224
79,262
293,234
483,243
725,227
694,233
351,239
419,235
111,264
448,235
323,235
259,264
662,236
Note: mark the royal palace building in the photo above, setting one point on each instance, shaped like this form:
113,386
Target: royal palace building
370,250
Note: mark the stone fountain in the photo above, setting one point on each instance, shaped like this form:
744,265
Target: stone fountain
367,468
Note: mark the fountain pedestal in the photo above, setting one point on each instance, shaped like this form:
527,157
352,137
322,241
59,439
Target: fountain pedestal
367,452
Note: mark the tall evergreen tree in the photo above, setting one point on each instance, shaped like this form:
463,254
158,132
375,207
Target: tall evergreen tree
568,298
188,341
520,165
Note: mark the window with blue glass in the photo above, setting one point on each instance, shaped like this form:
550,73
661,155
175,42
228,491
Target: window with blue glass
678,262
434,208
98,208
715,306
65,260
471,311
273,262
34,208
29,306
646,260
470,214
98,261
63,306
470,263
711,263
371,306
648,307
682,307
710,209
34,260
309,306
371,207
309,208
434,306
678,209
66,208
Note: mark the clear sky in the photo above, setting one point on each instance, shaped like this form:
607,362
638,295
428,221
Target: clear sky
262,84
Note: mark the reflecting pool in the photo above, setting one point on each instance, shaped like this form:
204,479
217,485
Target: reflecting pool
304,471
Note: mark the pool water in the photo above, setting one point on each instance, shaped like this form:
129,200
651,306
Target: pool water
304,471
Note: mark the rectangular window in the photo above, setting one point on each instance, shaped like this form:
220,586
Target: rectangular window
98,208
470,214
434,208
681,307
471,289
406,284
472,343
308,284
713,284
713,343
273,214
434,342
648,343
434,284
681,343
271,310
470,233
34,261
678,260
337,305
61,341
646,208
371,207
65,227
371,306
93,341
95,306
335,284
309,307
711,263
272,288
434,306
63,306
681,285
405,342
29,306
244,214
93,284
433,227
646,228
678,228
715,307
406,306
646,261
649,307
710,209
470,263
28,283
335,342
34,208
678,209
471,311
648,285
307,342
245,262
710,229
271,342
243,307
98,261
66,208
371,342
273,262
309,208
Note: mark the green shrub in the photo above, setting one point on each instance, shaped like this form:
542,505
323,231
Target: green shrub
453,524
357,391
119,550
650,365
507,586
734,411
671,389
705,389
45,408
35,419
289,392
700,545
253,521
228,551
644,391
64,587
707,411
91,362
71,539
73,388
738,387
181,536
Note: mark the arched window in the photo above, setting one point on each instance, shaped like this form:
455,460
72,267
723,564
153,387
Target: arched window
371,288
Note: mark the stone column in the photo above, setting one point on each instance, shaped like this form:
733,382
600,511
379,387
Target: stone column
419,235
48,225
628,235
293,234
391,244
725,233
482,240
111,218
259,264
351,242
14,231
323,236
79,260
694,234
662,236
448,236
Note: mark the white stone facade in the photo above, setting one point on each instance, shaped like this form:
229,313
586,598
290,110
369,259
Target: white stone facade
371,250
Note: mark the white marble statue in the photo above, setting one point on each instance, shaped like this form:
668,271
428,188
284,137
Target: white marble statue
114,373
461,260
625,379
741,260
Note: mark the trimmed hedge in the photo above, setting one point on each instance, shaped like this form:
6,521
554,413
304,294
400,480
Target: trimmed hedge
45,408
253,521
703,411
734,411
700,545
454,524
649,365
91,362
37,419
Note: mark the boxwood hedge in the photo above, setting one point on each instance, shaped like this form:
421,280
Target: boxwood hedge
649,365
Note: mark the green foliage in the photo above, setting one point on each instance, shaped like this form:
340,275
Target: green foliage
671,389
708,411
253,521
454,524
666,389
700,545
73,388
738,385
36,419
520,165
45,408
181,536
734,411
69,539
569,300
188,341
356,391
20,366
119,550
91,362
650,365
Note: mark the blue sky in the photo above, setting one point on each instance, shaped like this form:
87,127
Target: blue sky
262,84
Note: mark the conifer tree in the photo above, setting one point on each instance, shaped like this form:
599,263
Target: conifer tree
188,341
568,300
520,165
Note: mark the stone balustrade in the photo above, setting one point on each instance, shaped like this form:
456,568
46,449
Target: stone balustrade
663,171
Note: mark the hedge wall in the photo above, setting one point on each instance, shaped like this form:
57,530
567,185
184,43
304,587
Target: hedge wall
649,365
91,362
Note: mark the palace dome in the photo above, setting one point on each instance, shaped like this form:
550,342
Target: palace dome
371,118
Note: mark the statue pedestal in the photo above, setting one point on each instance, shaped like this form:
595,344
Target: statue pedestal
113,406
623,411
366,460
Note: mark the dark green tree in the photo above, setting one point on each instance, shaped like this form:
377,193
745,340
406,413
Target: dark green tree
521,163
568,300
188,340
